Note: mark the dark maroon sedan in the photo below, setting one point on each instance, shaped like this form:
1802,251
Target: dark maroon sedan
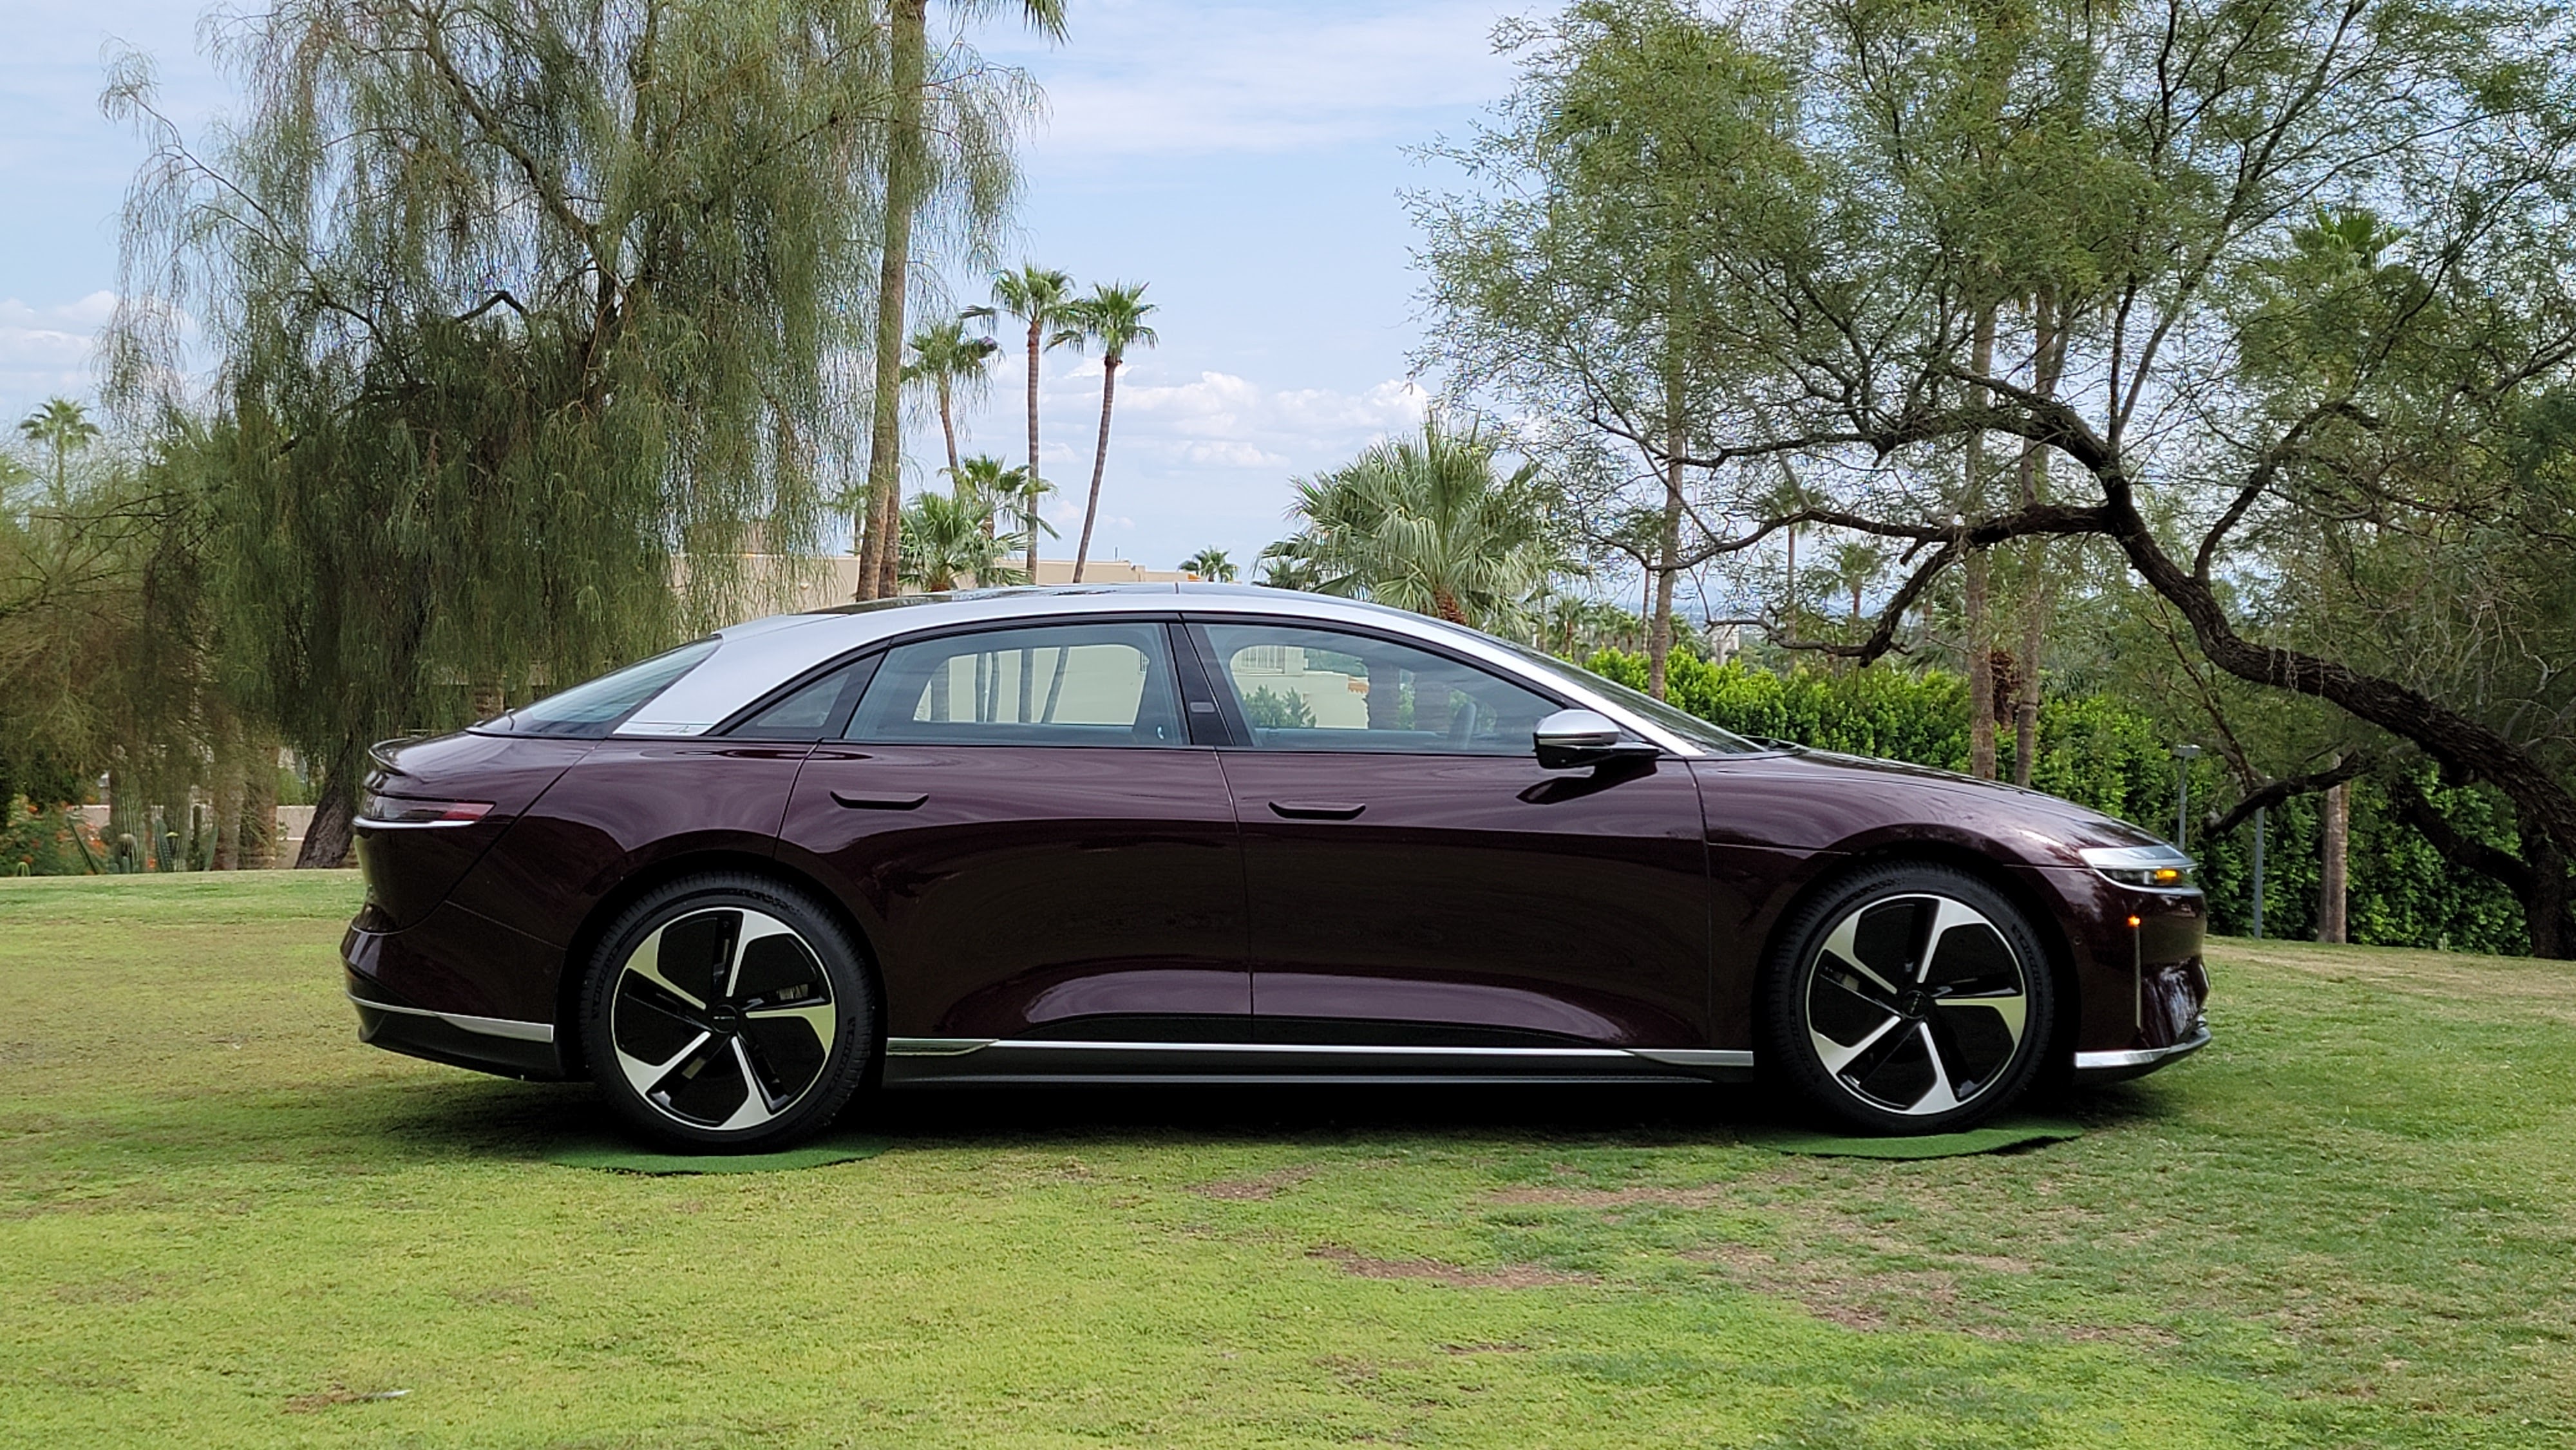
1210,834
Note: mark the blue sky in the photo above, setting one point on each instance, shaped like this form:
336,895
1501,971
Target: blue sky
1243,158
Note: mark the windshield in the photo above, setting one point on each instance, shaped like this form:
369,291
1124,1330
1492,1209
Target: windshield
594,707
1680,722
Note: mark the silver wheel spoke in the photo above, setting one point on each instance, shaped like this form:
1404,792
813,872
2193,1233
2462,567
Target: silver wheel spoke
648,1075
756,1108
1844,946
1836,1057
1947,916
647,963
1940,1097
823,1017
2013,1007
754,927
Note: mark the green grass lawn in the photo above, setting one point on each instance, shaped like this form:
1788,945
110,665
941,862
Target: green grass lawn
223,1222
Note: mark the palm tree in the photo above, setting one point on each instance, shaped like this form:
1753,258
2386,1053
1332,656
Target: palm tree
1424,524
1019,496
909,177
944,543
951,362
1040,297
1211,564
987,485
63,428
1113,316
1289,563
1855,567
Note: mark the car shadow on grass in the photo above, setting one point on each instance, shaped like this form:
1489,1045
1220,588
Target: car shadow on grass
466,1117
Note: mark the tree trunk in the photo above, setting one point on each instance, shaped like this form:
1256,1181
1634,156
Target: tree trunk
1035,478
1659,627
2330,873
908,34
1981,663
2039,599
328,840
259,804
227,795
1099,463
948,435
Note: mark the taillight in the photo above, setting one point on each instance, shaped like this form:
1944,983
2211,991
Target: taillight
386,810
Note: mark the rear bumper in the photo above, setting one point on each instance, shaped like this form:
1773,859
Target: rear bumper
416,992
2129,1062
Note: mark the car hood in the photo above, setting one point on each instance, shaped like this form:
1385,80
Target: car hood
1822,800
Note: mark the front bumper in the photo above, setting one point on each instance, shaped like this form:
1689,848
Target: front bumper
2129,1062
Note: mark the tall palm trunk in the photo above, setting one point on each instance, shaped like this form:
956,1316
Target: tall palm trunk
948,429
1035,326
1099,462
2332,925
909,34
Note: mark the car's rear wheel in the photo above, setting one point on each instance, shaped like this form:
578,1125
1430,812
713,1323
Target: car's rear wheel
1907,999
728,1013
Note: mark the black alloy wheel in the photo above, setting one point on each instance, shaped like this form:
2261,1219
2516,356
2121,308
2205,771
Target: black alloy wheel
1909,999
728,1013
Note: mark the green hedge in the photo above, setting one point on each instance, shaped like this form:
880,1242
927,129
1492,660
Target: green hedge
2097,751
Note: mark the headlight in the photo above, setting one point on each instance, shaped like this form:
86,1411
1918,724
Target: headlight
2148,868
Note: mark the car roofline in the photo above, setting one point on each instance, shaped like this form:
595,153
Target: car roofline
759,655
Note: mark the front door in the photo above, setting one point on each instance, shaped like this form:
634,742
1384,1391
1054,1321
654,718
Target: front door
1034,848
1416,878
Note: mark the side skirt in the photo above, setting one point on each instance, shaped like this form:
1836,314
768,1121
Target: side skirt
949,1061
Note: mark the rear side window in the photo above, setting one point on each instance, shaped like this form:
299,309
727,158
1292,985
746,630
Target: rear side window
1066,684
593,708
803,715
1302,688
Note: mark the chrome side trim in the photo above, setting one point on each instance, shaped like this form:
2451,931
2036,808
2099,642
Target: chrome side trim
934,1046
1669,1056
2131,1061
1696,1057
510,1027
370,823
1306,1049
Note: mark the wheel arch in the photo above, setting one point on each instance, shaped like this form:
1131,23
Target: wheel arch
653,877
2044,919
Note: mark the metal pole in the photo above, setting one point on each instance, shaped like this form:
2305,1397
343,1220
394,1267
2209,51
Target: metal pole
2182,803
2259,813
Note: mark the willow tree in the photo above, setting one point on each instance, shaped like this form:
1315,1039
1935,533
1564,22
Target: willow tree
949,177
511,304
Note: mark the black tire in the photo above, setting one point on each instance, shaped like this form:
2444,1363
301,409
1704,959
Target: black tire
1906,999
728,1013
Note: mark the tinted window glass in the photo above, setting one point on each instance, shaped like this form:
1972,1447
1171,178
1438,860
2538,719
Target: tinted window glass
594,707
1316,689
802,715
1067,684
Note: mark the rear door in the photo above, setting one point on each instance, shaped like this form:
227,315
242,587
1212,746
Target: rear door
1416,878
1033,845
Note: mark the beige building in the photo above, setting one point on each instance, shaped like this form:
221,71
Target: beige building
834,578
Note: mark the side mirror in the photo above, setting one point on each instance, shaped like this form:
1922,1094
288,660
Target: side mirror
1572,739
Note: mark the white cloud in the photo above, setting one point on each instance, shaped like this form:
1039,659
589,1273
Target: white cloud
1159,77
47,350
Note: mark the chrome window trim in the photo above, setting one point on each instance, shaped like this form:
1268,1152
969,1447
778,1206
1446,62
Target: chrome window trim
509,1027
755,658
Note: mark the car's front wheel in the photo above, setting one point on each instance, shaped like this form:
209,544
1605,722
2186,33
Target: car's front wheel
728,1013
1907,999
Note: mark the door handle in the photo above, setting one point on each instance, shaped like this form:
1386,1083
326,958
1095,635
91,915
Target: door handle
1314,810
879,802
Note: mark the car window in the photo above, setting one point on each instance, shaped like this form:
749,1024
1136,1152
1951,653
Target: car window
803,715
1302,688
594,707
1063,684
